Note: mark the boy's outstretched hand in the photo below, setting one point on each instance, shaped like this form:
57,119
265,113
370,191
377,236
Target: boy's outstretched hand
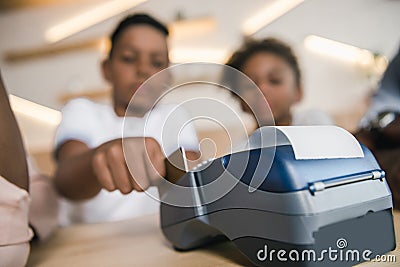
140,167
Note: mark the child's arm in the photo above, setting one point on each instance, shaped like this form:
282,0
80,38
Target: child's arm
83,172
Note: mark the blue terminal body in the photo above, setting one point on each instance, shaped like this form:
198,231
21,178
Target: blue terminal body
300,205
288,174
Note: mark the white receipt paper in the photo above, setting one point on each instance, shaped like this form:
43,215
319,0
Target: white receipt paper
309,142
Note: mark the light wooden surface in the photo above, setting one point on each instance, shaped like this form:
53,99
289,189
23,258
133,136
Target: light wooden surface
139,242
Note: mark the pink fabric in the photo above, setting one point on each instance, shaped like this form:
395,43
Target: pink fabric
43,210
14,229
17,207
14,255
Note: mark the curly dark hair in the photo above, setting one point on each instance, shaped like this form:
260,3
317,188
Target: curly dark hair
136,19
268,45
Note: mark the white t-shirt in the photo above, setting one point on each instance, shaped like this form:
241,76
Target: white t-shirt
94,124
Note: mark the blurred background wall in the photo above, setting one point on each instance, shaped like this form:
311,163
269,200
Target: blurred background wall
48,73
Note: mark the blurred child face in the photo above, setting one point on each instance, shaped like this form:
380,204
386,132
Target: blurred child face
139,52
277,82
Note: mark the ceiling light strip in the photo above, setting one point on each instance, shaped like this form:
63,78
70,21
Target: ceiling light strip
338,50
268,14
34,110
88,18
